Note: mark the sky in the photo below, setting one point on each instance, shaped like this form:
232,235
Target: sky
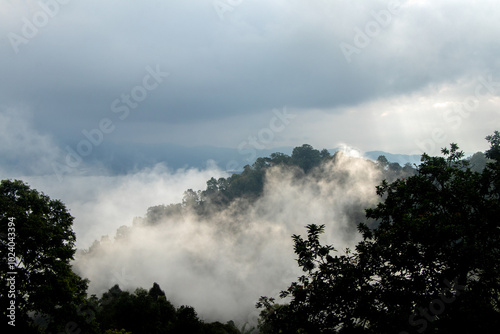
402,76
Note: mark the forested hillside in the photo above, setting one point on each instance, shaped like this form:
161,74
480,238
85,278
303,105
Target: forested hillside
425,258
249,184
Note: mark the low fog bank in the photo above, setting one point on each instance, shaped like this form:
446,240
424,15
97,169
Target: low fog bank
103,203
221,263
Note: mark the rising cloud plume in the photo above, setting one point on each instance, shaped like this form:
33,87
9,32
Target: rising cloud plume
222,263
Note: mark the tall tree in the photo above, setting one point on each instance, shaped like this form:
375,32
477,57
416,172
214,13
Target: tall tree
306,157
39,248
382,161
432,264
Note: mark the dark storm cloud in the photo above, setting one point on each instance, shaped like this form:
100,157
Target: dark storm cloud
247,60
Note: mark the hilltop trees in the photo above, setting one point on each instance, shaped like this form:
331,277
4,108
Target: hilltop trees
306,157
432,264
249,184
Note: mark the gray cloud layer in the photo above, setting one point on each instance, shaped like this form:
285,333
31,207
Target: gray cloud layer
257,56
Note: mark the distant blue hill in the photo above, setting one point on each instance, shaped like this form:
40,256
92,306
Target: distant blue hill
125,159
401,159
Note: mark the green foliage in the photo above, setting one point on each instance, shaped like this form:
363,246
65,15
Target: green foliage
324,154
117,331
306,157
55,299
150,312
156,213
219,328
477,162
139,312
382,161
494,151
44,246
187,321
432,264
393,170
493,167
249,184
280,159
409,170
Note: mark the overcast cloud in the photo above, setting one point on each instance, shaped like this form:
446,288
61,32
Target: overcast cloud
385,88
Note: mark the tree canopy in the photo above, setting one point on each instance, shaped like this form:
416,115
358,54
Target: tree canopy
249,184
429,263
47,293
432,264
151,312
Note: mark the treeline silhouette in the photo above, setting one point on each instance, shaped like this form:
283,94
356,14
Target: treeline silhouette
428,261
249,184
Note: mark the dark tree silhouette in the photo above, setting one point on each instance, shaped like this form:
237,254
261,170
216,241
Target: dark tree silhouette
432,264
48,295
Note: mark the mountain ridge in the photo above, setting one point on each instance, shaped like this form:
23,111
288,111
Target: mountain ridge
199,157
